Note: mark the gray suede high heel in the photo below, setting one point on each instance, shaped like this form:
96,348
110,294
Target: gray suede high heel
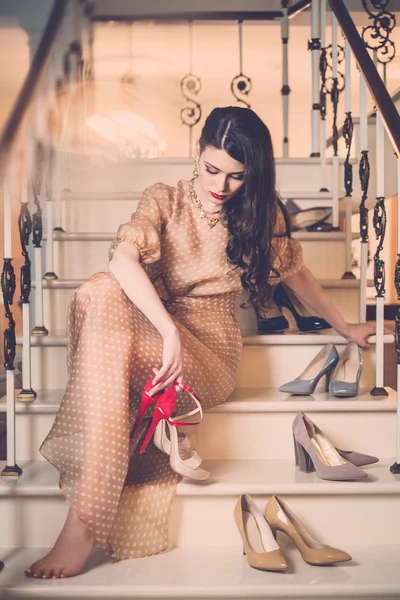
315,452
322,364
346,377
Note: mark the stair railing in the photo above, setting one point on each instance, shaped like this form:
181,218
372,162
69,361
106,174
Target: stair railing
40,117
387,118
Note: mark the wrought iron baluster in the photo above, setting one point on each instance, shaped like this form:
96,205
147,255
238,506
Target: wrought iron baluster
241,85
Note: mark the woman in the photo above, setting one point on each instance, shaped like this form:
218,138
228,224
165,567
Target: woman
166,308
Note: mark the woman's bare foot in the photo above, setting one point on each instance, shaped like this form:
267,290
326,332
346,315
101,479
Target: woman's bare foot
67,558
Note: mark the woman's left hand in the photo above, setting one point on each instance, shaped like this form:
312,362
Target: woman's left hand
359,332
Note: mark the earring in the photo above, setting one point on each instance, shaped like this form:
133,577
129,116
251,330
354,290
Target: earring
196,168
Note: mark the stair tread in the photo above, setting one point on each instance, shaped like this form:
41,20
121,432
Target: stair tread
326,283
106,236
228,477
281,339
246,400
207,572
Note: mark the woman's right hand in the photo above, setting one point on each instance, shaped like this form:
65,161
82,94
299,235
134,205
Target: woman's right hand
171,368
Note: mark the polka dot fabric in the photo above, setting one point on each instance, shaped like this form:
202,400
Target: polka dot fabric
123,497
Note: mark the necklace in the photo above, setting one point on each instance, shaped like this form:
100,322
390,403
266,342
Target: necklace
202,213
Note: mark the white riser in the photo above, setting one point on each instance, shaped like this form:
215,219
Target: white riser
80,259
55,303
261,435
105,212
274,365
207,520
296,175
337,520
269,435
261,366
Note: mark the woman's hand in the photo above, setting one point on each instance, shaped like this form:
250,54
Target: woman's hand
359,332
171,368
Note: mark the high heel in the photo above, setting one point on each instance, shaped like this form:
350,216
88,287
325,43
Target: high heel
259,545
304,324
346,378
162,417
165,407
163,443
280,518
145,403
185,468
268,325
315,452
322,364
356,458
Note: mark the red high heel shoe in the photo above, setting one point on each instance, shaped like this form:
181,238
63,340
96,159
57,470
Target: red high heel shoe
145,403
165,407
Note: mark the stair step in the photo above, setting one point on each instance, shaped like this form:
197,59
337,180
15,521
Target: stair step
253,423
106,236
338,513
208,573
330,284
267,360
281,339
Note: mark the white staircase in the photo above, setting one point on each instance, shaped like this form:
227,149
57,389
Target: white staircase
246,442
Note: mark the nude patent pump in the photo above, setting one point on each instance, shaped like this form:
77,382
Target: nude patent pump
259,545
281,518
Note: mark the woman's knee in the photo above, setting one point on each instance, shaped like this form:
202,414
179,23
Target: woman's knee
100,285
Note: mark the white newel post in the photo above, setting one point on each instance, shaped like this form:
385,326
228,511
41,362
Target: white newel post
27,394
315,47
379,272
11,469
395,468
39,328
364,180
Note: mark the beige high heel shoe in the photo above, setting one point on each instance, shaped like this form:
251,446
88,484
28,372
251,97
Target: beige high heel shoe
281,518
259,545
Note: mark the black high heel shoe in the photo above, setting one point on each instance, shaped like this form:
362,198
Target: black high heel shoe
271,325
304,324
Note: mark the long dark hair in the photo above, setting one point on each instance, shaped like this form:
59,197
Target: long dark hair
250,216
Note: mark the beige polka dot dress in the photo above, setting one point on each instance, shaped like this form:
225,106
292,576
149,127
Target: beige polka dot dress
123,497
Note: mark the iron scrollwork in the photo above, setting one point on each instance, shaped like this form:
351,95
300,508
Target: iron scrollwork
191,86
376,36
8,285
25,230
379,222
364,173
348,131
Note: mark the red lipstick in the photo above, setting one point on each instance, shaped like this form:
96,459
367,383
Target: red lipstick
217,197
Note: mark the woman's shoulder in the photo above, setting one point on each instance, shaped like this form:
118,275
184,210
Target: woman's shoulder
163,191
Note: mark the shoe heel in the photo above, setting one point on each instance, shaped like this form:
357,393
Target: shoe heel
328,379
296,452
139,417
157,417
305,462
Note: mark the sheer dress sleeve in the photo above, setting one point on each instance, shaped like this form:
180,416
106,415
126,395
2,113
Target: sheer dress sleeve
286,252
143,230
